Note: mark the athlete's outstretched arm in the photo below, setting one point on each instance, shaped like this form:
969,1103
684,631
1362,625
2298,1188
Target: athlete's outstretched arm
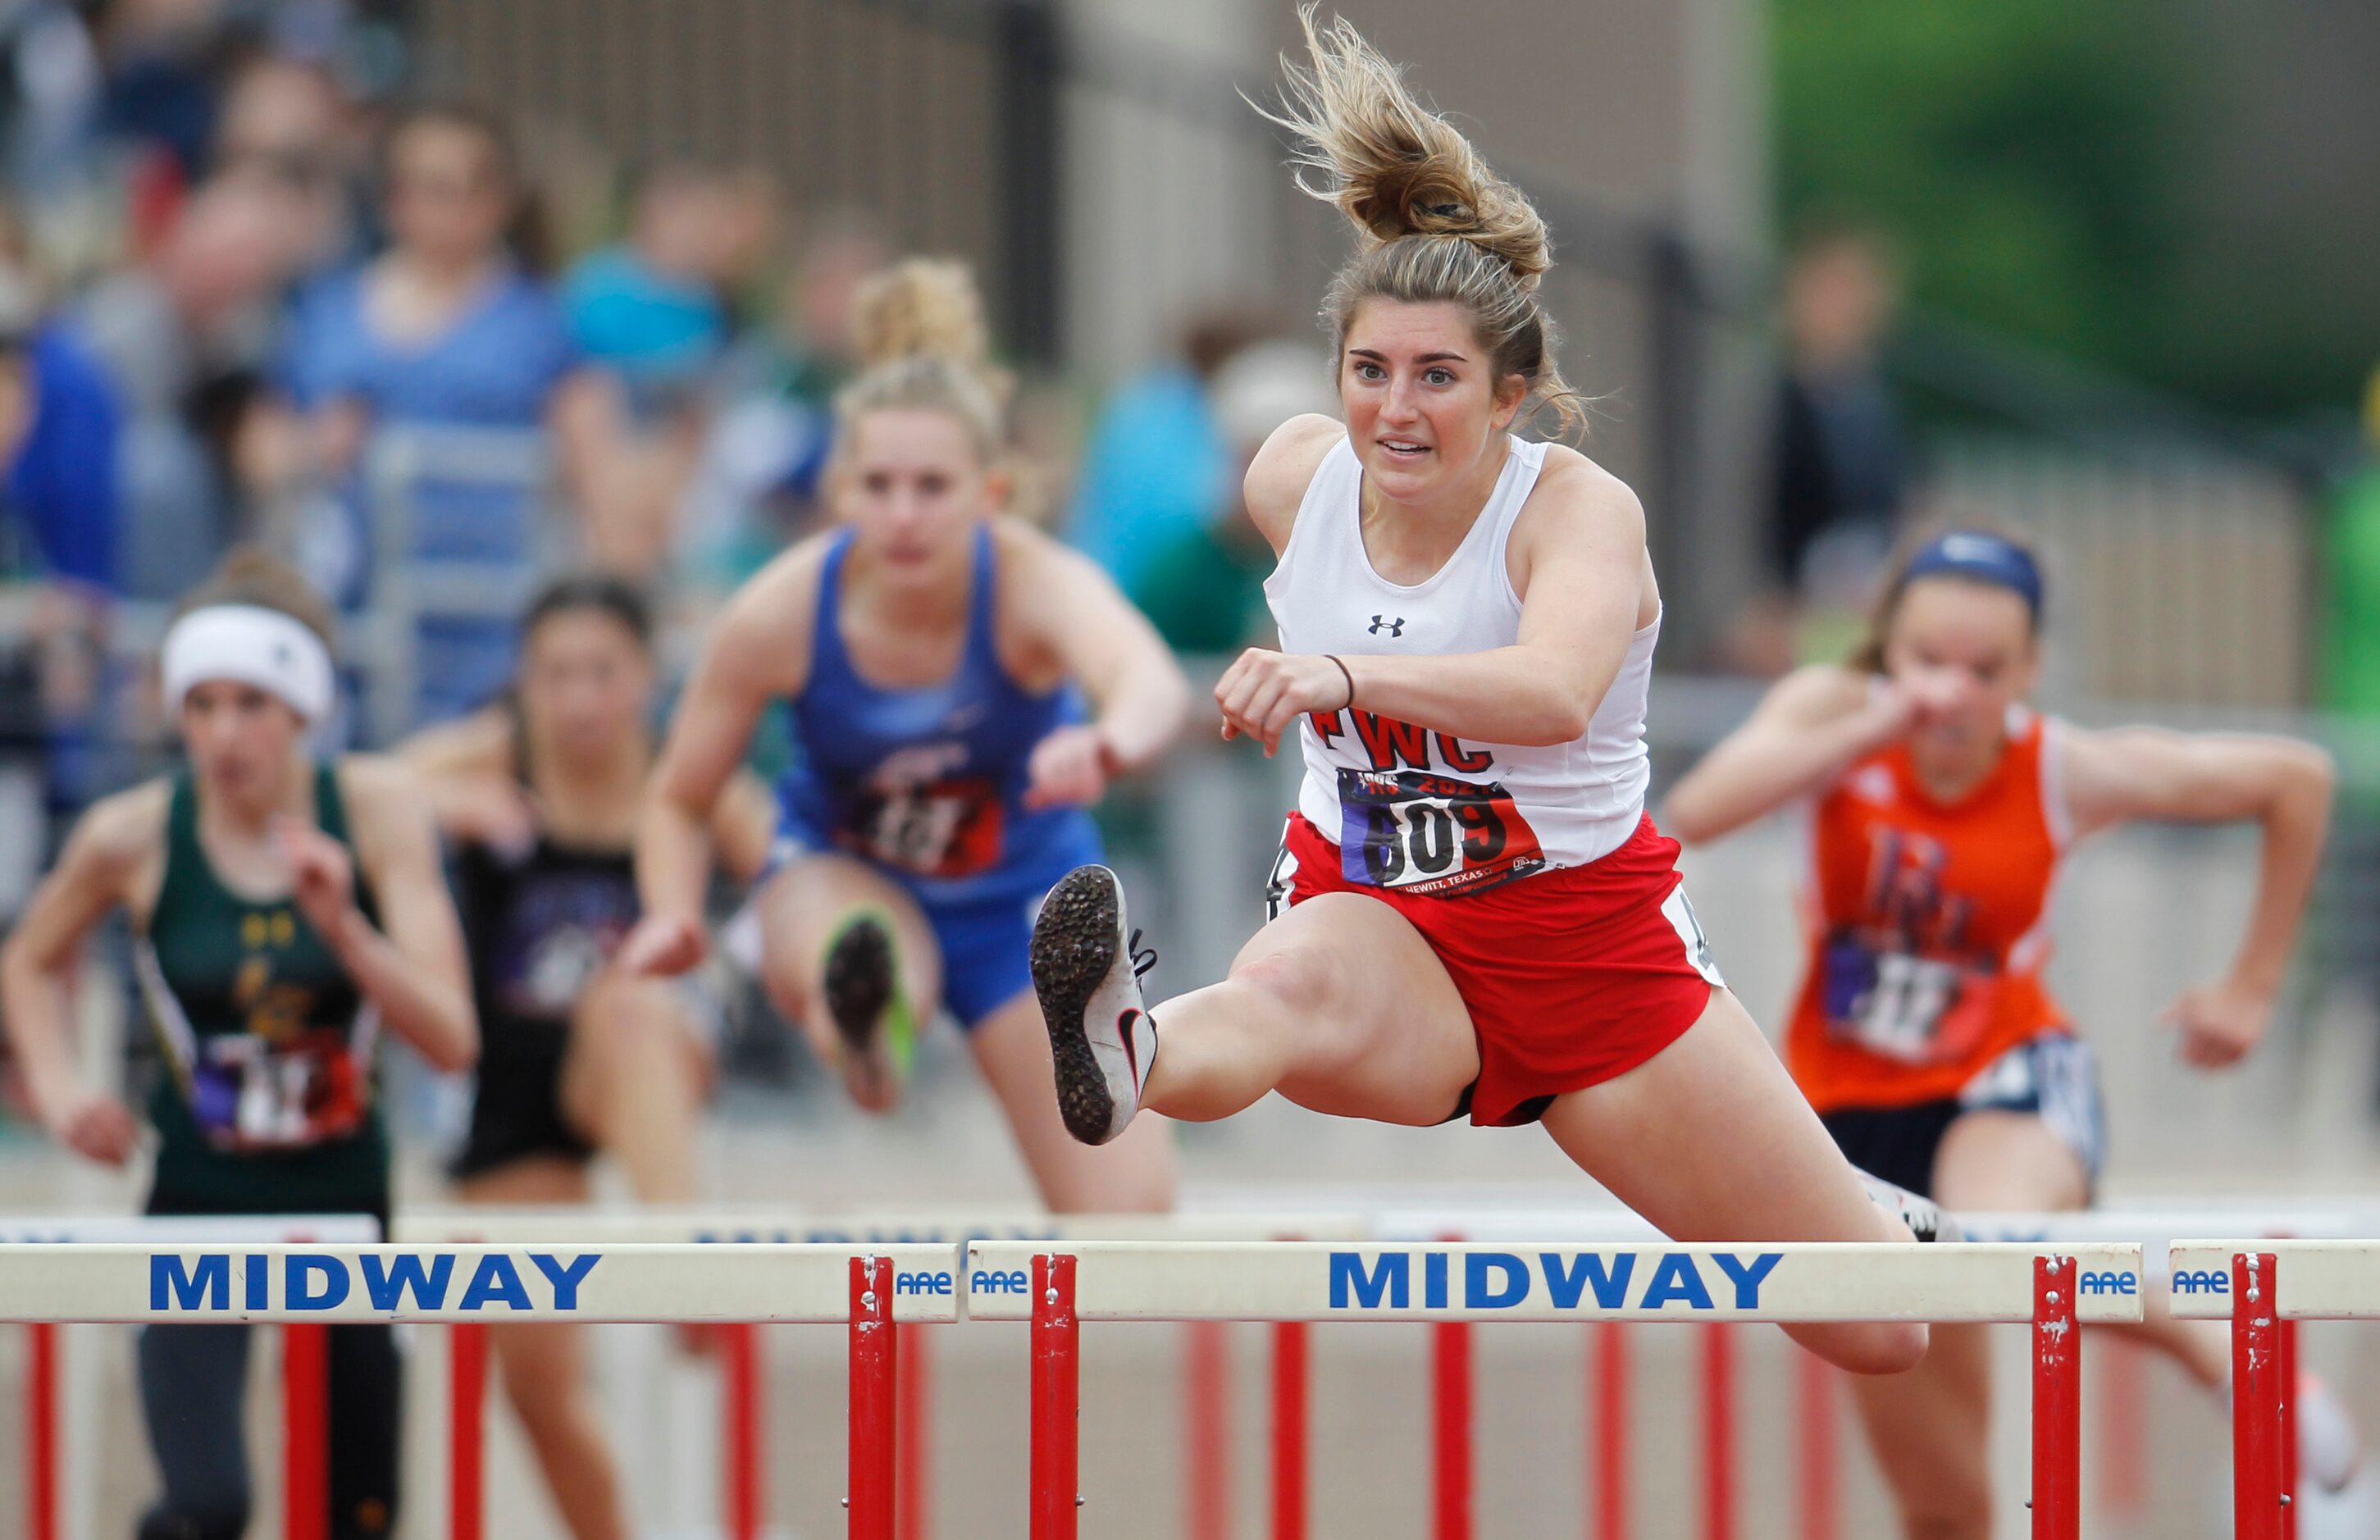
757,654
93,874
411,964
1578,560
2282,783
466,771
1811,725
1115,654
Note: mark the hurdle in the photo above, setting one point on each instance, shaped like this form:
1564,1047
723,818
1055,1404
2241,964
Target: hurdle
1056,1288
303,1387
745,1499
1818,1410
872,1290
2265,1288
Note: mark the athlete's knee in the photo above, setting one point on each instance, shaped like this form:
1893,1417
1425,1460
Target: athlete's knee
1875,1347
1949,1506
1295,978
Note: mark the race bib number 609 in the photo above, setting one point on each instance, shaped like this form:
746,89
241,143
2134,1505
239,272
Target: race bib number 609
1428,833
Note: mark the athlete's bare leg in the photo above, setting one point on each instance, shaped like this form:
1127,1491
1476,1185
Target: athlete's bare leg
1133,1173
801,910
1710,1141
1338,1005
544,1366
634,1081
1929,1427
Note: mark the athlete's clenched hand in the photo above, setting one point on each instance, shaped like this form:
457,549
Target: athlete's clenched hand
1069,769
1264,692
663,946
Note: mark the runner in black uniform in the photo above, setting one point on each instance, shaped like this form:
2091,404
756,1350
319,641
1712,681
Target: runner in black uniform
539,796
285,909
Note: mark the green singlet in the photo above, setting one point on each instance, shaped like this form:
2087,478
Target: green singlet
269,1108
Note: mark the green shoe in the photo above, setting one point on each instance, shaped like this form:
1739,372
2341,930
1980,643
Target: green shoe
872,1016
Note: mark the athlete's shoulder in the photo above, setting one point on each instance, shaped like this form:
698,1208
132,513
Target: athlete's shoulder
1817,693
119,831
381,791
1571,481
1284,468
778,603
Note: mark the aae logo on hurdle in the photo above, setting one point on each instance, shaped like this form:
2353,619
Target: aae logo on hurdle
1320,1281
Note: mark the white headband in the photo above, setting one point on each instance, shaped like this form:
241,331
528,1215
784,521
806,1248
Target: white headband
254,645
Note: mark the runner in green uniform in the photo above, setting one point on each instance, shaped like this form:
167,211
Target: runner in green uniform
284,909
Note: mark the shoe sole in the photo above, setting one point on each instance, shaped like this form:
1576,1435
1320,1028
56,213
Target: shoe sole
859,984
1074,948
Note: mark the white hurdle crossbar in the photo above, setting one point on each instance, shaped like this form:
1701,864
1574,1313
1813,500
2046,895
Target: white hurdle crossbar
871,1288
1057,1287
2265,1288
303,1364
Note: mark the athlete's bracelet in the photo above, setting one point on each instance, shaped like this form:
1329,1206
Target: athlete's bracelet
1344,675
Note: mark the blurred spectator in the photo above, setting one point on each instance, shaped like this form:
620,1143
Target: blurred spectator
185,336
1157,467
63,423
450,329
756,485
654,308
1203,587
1840,461
2351,672
288,122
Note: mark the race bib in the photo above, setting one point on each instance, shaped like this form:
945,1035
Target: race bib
249,1095
939,829
1428,833
1913,1010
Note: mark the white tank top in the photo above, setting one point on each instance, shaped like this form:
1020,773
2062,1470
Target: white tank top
1422,811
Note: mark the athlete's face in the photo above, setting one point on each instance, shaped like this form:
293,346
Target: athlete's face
1423,405
913,485
448,197
240,740
1964,652
585,685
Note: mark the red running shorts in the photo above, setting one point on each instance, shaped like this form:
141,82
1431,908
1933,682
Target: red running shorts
1573,977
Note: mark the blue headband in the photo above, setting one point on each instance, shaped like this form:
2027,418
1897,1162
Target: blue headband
1979,558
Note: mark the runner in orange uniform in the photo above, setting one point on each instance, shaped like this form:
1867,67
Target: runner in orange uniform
1923,1034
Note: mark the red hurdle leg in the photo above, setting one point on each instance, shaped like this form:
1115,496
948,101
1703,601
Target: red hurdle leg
1292,1356
875,1400
1609,1458
306,1448
1817,1412
1207,1465
1718,1432
2288,1365
1449,1376
467,1428
913,1460
745,1476
2057,1401
41,1426
1057,1400
2256,1456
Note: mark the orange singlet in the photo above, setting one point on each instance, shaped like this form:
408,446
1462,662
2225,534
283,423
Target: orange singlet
1928,926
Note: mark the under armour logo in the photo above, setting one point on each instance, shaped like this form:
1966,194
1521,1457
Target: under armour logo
1393,627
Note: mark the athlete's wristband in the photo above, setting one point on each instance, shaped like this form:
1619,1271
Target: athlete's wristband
1344,675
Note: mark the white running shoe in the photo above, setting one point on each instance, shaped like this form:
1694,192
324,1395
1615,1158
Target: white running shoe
1925,1217
1088,977
2328,1451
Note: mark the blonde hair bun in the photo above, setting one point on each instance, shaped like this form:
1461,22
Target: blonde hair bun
922,308
1391,165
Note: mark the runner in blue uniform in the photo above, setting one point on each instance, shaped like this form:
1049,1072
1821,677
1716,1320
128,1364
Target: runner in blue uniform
931,651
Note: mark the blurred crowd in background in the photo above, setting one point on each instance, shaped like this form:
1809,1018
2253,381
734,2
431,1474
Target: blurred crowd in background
261,281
